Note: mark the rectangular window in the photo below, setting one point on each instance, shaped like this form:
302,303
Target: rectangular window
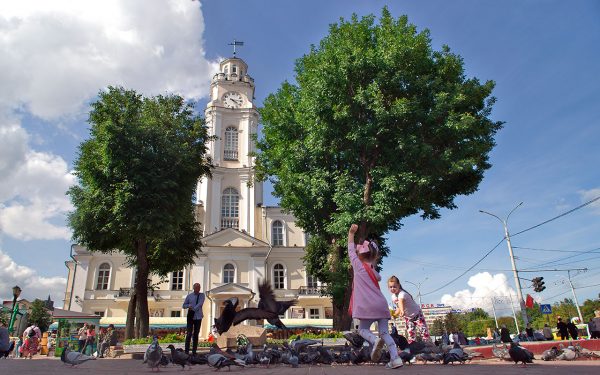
99,313
279,277
175,314
177,280
313,314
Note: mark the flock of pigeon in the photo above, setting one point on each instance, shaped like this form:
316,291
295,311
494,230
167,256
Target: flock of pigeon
303,351
517,353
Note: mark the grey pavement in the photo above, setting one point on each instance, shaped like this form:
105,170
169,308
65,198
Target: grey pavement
47,366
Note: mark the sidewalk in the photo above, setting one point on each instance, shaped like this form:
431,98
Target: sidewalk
45,366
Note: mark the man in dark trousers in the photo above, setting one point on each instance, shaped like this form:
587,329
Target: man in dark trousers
572,328
562,329
193,302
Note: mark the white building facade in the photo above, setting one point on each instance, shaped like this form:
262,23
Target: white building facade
244,241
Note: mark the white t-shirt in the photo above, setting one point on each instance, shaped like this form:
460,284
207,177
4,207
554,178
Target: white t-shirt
411,309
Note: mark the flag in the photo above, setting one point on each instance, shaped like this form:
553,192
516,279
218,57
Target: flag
529,301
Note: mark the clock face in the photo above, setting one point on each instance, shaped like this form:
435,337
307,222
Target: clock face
232,99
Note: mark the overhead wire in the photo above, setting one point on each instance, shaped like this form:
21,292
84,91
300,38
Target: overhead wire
468,269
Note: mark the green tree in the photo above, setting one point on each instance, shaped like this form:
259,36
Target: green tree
378,127
437,327
509,322
453,322
588,308
39,315
4,316
137,174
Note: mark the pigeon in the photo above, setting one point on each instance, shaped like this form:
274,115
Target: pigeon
501,353
74,358
198,359
179,357
456,354
219,361
300,344
401,341
230,316
153,354
354,339
551,354
325,356
405,356
519,354
164,361
567,355
267,302
428,357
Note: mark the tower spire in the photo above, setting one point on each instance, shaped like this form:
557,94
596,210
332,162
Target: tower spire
236,44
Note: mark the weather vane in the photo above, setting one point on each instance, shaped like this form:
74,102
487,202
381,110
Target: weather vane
236,44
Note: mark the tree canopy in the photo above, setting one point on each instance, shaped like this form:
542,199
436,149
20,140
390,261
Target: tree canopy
137,173
39,315
378,126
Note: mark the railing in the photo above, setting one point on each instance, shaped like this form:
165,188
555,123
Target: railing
318,290
230,222
126,292
230,154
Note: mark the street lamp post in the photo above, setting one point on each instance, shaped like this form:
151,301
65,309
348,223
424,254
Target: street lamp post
16,294
418,288
512,261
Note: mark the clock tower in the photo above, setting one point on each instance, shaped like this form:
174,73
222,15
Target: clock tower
230,197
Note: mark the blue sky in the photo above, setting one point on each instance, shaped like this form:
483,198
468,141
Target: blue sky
542,55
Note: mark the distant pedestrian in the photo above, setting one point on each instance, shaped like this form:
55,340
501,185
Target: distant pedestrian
406,307
30,346
462,340
597,324
505,334
82,336
562,329
572,328
529,332
547,331
193,303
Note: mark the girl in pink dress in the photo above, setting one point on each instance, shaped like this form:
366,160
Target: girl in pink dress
367,303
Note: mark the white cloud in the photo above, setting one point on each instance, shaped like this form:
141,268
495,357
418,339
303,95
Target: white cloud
56,56
485,287
588,195
32,284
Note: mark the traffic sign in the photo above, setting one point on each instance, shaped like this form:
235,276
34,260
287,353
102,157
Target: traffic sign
546,309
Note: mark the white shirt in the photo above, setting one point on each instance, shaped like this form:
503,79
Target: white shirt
411,309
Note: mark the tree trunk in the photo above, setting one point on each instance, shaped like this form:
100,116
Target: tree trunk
141,289
130,323
342,321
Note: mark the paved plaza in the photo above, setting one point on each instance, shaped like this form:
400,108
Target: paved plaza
45,366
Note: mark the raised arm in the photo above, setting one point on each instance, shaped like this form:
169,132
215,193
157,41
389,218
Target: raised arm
351,246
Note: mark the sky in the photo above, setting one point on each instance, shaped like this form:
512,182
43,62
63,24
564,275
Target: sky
56,56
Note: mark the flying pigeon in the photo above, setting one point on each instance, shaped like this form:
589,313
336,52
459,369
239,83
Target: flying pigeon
268,302
153,354
179,357
231,317
519,354
74,358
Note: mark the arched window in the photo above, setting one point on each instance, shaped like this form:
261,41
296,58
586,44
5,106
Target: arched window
231,144
230,209
177,280
103,276
228,273
277,233
278,276
226,69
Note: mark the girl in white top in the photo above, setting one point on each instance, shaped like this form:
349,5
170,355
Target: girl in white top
406,307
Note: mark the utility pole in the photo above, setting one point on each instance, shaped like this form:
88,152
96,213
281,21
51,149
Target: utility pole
494,310
575,298
512,261
418,289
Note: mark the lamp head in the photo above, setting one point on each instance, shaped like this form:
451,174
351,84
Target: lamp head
16,291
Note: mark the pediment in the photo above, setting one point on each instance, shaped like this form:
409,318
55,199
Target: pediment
229,289
230,237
